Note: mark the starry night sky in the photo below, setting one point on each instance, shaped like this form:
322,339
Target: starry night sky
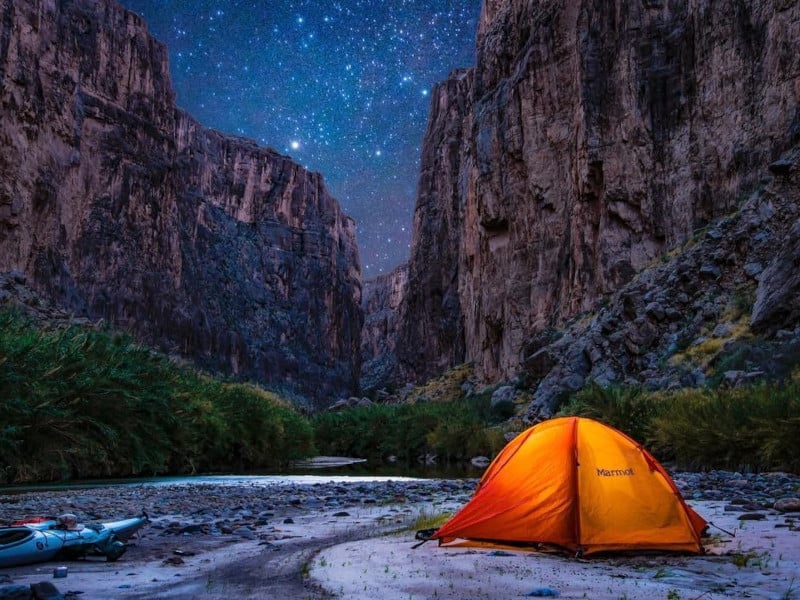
341,86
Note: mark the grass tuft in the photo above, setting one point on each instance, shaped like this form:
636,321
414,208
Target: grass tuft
429,520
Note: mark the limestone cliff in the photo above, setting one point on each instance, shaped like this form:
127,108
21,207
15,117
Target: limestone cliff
118,205
590,139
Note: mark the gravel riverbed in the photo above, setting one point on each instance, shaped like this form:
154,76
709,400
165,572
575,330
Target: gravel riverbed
243,507
196,526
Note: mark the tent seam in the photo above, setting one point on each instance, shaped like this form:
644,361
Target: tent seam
575,492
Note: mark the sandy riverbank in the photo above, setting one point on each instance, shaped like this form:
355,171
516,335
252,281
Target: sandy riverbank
762,560
218,568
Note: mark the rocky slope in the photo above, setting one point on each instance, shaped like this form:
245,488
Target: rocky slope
723,310
590,142
118,205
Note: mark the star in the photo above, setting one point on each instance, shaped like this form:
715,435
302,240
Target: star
344,83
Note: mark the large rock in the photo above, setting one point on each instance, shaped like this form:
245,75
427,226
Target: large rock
778,298
120,206
785,505
585,144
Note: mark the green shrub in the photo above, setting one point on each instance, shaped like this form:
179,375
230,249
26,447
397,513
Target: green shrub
627,408
453,431
751,428
80,403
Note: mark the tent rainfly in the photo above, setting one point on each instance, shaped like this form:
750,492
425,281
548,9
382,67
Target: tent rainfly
581,486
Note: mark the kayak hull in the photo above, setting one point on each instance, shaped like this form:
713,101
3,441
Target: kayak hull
24,546
42,541
125,528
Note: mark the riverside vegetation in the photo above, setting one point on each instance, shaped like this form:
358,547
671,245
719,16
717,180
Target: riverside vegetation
80,402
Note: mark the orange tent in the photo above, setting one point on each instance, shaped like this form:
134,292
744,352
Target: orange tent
579,485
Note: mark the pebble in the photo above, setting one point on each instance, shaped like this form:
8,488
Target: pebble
249,510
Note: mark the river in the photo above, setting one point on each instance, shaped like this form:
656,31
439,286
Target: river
352,471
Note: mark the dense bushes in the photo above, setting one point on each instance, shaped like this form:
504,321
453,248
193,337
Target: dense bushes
83,403
753,428
452,431
77,403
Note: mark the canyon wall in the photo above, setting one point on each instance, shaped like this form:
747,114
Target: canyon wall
117,205
430,335
591,139
380,301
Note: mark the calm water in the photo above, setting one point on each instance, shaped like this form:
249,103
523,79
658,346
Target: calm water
350,473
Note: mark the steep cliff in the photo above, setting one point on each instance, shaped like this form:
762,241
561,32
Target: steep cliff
380,300
721,310
430,336
117,205
593,139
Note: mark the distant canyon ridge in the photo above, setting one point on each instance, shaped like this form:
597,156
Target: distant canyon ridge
595,194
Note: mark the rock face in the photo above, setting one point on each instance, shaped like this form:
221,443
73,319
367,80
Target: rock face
693,319
588,141
777,303
381,297
119,206
431,332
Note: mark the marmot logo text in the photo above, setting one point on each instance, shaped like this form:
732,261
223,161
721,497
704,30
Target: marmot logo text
615,472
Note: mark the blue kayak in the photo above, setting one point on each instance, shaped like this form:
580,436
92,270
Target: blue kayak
25,545
44,540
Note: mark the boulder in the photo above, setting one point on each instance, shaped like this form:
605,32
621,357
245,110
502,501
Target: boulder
502,394
786,505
